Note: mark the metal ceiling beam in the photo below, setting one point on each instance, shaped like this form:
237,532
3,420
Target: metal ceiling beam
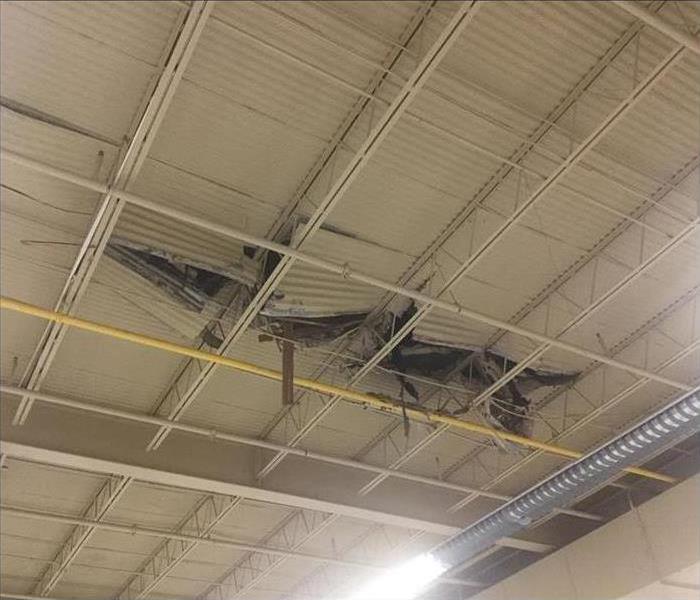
201,520
111,205
639,11
105,498
639,271
614,117
178,479
665,190
403,458
221,436
135,529
272,550
188,31
592,415
343,269
293,532
364,399
449,35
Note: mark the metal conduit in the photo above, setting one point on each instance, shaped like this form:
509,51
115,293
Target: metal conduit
357,397
638,444
343,270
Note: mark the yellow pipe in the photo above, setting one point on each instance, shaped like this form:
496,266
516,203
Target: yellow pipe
362,398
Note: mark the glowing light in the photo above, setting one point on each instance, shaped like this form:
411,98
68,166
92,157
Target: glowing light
404,582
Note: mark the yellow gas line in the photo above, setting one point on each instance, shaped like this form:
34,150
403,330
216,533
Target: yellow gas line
362,398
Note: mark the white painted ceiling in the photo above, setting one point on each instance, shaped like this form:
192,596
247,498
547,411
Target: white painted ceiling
274,102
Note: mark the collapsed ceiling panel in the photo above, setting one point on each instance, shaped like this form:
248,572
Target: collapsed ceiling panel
310,292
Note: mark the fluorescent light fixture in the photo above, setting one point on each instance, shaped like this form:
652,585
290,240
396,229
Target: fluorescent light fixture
403,582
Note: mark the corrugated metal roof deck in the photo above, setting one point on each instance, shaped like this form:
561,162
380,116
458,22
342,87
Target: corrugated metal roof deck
68,59
266,91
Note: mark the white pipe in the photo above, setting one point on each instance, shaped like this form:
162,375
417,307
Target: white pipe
238,439
637,10
343,270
